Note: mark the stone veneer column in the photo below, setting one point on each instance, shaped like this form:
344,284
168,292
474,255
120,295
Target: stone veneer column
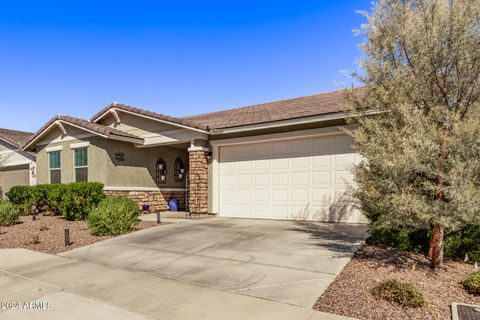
198,171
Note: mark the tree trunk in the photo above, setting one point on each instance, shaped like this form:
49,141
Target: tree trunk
436,246
436,243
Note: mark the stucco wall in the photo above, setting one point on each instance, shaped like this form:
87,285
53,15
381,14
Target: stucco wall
96,160
12,156
138,167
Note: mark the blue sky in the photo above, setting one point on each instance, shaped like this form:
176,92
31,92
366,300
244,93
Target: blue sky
172,57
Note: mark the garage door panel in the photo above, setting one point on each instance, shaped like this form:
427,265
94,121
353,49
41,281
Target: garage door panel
244,195
299,196
245,166
301,179
261,195
342,178
321,178
261,210
300,163
227,168
321,196
321,162
280,196
228,195
282,163
228,181
228,210
345,160
243,179
262,179
244,210
279,212
262,165
279,179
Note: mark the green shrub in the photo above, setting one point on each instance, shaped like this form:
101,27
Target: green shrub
9,213
416,240
113,216
402,293
472,283
74,201
465,241
456,244
22,196
79,199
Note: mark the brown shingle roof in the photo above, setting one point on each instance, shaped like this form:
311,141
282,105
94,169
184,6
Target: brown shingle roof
148,114
16,138
95,127
314,105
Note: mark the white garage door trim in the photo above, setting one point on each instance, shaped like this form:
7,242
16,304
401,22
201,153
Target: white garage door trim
330,131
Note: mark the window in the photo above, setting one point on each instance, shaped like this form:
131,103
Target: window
161,168
179,170
81,164
55,167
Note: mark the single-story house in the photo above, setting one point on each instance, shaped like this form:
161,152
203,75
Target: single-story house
288,159
17,167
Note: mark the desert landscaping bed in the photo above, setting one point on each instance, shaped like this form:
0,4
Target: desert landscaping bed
46,234
349,294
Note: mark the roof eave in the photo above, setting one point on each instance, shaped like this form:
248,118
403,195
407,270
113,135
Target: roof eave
30,144
105,112
290,122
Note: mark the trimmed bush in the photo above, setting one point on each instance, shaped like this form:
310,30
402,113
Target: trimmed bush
472,283
74,201
22,196
79,199
115,215
9,213
403,293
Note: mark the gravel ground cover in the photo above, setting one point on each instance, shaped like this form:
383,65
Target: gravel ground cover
46,234
349,294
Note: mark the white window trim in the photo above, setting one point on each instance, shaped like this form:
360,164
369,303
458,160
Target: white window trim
77,146
80,145
55,148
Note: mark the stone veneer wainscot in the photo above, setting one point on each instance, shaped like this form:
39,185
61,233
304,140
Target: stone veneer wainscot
158,200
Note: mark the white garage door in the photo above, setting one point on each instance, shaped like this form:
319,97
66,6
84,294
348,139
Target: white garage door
301,179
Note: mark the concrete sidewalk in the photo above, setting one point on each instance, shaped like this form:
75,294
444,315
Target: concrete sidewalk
67,289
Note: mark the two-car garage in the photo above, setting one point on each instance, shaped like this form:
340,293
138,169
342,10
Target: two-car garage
301,178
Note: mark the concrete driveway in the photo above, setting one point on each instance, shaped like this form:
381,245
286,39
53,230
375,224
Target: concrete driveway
283,261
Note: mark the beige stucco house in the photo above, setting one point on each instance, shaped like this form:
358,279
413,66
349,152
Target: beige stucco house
289,159
17,167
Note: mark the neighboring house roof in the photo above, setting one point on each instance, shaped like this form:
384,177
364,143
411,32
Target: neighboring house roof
146,113
82,124
14,137
308,106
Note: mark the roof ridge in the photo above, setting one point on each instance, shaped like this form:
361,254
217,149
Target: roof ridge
18,131
262,104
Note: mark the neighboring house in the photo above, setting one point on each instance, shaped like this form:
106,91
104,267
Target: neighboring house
17,167
289,159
